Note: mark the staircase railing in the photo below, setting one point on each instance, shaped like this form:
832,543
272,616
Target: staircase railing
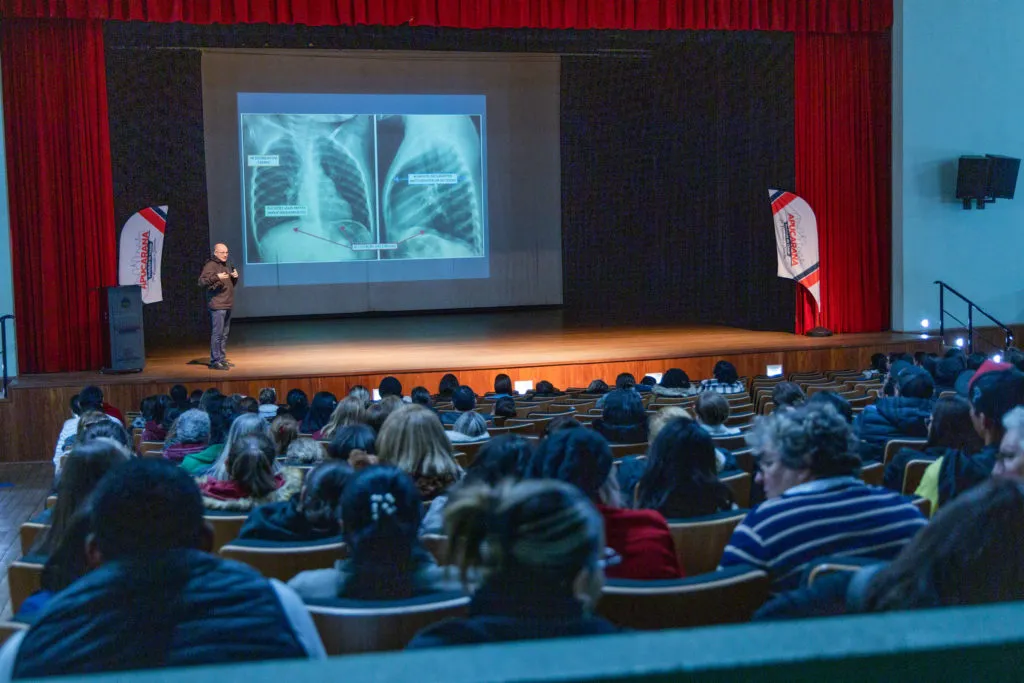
969,324
3,351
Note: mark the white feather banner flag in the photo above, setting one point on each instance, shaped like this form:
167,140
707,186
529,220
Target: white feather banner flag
796,239
142,248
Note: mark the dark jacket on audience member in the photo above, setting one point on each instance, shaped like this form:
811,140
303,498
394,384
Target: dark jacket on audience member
893,477
960,471
831,595
503,610
892,417
232,496
636,433
283,522
182,608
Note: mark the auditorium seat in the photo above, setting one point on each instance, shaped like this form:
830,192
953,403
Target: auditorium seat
700,541
23,579
813,389
872,473
739,484
148,447
225,527
621,450
354,626
721,597
923,504
740,419
746,461
50,501
912,475
508,429
282,561
767,408
28,533
894,446
9,628
534,425
436,545
731,443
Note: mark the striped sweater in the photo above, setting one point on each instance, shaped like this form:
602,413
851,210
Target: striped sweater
825,517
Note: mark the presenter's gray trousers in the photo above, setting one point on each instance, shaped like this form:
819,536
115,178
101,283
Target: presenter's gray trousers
220,325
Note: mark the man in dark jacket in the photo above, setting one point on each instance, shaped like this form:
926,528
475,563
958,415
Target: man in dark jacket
219,279
154,598
902,416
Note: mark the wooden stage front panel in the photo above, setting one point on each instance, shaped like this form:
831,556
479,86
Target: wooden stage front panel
336,355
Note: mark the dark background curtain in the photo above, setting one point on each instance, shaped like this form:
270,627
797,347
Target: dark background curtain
667,159
59,184
843,170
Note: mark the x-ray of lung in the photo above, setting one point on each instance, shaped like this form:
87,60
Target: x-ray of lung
333,187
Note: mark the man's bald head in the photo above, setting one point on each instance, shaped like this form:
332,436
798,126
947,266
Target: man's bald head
220,252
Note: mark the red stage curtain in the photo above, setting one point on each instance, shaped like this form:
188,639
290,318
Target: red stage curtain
822,16
60,188
843,143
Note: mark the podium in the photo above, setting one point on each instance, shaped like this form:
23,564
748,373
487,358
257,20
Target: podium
122,314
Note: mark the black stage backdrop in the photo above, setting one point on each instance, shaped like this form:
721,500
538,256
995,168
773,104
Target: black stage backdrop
670,141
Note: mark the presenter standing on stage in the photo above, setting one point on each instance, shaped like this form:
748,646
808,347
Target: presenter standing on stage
219,278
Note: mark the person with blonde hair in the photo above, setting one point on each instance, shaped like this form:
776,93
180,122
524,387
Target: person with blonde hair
413,440
251,478
349,411
248,424
539,546
284,430
662,418
305,451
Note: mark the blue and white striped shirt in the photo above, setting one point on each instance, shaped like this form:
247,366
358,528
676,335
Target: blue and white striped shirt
824,517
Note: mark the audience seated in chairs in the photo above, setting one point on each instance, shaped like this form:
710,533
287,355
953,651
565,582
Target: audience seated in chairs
623,418
251,480
319,413
879,367
421,396
381,511
90,399
787,395
378,413
545,389
153,409
390,386
191,436
681,479
946,372
304,452
540,546
349,411
816,505
220,422
361,393
640,537
503,457
414,441
469,428
104,428
179,397
351,440
969,554
84,468
726,380
243,426
950,428
505,407
463,401
896,417
268,404
993,395
674,383
712,410
154,596
65,564
284,430
646,384
313,515
837,401
447,386
171,416
597,386
1010,461
502,387
296,404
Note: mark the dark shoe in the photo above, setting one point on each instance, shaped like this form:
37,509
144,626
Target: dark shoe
219,366
229,364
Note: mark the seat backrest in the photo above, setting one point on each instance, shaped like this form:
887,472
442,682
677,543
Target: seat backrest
813,389
469,450
767,408
621,450
380,625
923,504
23,579
508,429
225,528
533,425
912,475
9,628
894,446
700,542
28,534
436,545
739,485
731,443
283,561
873,473
724,597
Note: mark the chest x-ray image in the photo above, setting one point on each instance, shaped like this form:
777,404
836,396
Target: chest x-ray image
335,187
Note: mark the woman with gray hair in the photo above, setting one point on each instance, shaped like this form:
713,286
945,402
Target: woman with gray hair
817,506
1010,461
471,427
191,435
247,424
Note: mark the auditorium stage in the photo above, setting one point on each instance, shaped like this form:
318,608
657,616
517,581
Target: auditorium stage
334,355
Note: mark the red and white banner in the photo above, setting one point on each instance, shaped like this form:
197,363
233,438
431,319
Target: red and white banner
142,246
796,240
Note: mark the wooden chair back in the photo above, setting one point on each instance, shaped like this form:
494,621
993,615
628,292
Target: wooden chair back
225,528
912,475
350,630
731,443
469,451
923,504
9,628
717,598
873,473
534,425
700,542
621,450
508,429
894,446
436,545
767,408
28,533
283,562
825,568
23,579
739,484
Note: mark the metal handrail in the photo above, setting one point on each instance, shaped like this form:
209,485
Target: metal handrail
971,307
3,350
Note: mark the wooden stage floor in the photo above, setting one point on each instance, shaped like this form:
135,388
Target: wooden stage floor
431,344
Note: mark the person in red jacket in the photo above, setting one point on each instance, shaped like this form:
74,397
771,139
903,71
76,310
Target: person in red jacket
640,538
